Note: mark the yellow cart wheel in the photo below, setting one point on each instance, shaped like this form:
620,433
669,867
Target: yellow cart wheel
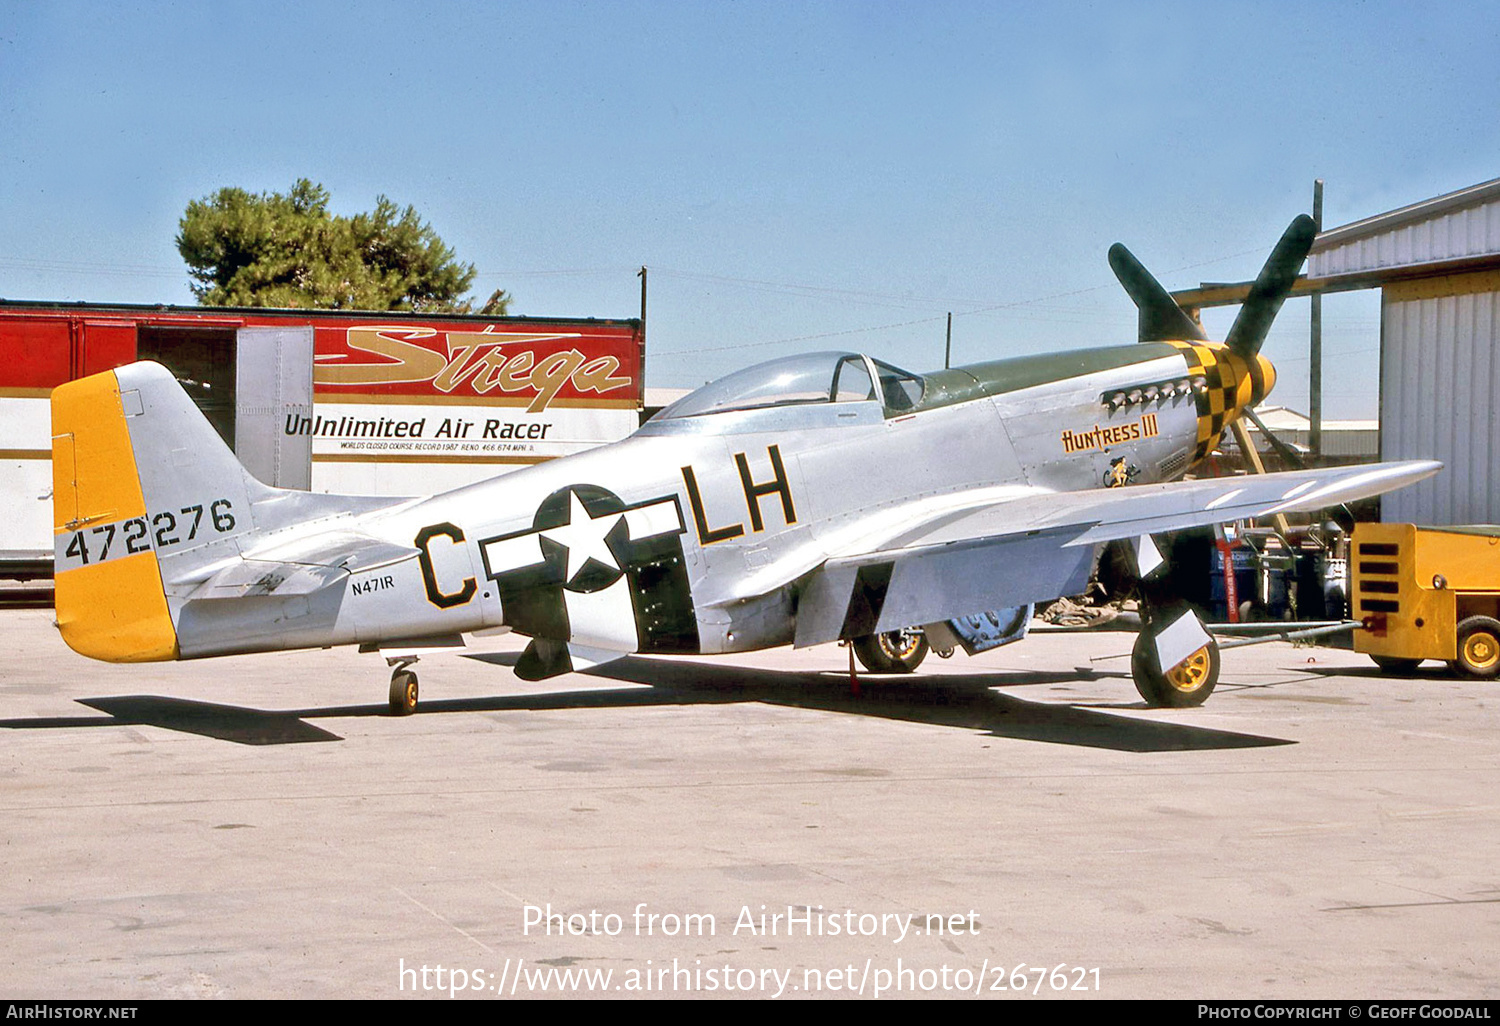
1478,647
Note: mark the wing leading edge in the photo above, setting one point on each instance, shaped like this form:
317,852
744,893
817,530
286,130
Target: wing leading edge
1037,545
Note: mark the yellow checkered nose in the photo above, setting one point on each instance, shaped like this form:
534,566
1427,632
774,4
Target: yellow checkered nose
1263,379
1224,383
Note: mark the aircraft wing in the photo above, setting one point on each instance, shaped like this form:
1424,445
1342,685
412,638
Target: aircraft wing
1009,546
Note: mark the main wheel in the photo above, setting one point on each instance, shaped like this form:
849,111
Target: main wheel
892,652
1396,666
1185,685
403,693
1478,647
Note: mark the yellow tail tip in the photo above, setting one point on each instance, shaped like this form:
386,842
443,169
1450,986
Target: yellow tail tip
108,589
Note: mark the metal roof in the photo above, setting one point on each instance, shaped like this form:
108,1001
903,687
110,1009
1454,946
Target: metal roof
1474,195
1456,233
1461,225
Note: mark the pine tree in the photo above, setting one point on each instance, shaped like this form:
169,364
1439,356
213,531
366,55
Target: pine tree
290,251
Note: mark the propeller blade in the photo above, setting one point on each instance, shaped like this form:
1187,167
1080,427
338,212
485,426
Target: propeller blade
1270,289
1161,319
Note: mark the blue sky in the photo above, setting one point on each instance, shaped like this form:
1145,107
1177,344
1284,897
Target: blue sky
796,175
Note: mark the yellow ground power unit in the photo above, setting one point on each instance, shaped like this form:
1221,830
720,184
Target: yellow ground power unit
1428,593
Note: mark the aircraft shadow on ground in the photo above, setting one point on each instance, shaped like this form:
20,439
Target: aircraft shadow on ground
965,701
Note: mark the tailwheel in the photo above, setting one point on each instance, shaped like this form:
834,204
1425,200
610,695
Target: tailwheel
892,652
1187,684
1478,647
403,693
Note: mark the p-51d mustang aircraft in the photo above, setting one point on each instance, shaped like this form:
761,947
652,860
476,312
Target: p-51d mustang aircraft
815,498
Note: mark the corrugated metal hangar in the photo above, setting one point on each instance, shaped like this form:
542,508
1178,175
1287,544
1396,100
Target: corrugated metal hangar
1437,264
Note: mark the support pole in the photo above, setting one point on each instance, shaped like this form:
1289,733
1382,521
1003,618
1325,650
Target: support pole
1315,351
642,274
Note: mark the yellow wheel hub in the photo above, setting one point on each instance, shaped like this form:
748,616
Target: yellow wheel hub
1190,674
1481,650
902,645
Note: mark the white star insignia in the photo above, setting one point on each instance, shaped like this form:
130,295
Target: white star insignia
584,537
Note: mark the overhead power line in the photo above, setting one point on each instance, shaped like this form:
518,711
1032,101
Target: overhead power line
80,267
795,288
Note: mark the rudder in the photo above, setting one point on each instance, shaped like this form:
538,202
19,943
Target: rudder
108,589
140,478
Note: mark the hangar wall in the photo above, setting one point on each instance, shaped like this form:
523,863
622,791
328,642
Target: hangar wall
1435,262
1439,382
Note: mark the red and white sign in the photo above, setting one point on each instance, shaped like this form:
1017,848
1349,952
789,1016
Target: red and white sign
492,394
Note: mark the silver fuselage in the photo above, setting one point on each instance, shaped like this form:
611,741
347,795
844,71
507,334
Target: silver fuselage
756,498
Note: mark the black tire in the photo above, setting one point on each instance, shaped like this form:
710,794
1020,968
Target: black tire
892,652
1478,647
1187,685
1396,666
403,693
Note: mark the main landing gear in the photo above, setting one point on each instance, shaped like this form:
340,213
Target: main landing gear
892,652
1188,681
403,688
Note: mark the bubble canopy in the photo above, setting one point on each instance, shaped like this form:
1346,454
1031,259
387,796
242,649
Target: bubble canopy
830,377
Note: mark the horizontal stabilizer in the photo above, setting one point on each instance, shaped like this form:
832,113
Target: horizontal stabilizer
249,577
296,568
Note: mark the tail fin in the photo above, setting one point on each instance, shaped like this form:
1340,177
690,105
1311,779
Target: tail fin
140,479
